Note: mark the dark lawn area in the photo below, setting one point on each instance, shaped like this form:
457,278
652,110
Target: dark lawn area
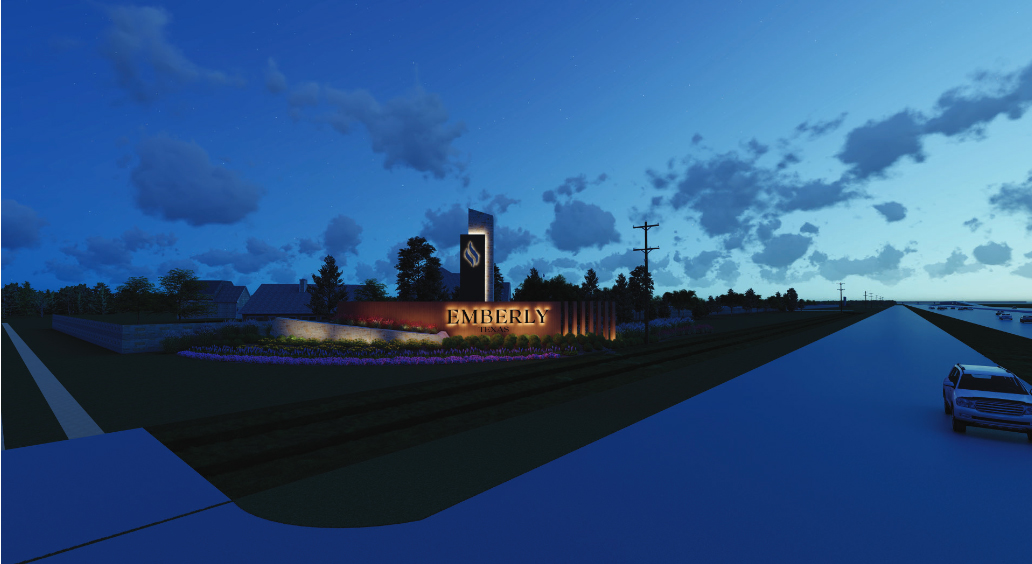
126,391
144,318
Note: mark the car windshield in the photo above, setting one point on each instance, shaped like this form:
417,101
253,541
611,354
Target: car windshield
998,384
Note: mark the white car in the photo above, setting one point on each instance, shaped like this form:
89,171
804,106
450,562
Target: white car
1026,319
987,396
1006,316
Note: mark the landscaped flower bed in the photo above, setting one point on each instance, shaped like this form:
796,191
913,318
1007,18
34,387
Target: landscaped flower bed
421,359
383,323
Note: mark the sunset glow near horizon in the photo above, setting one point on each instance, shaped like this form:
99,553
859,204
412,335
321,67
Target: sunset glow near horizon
884,145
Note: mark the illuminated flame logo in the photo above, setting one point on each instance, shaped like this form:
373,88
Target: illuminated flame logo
471,255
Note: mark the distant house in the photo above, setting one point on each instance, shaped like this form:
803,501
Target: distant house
227,298
284,300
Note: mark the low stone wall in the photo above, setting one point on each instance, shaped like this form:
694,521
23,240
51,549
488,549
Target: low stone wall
126,338
282,326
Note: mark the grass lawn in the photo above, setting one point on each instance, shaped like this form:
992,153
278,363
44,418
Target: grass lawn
131,318
127,391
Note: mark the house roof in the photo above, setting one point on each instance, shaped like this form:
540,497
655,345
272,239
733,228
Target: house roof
212,287
278,299
229,294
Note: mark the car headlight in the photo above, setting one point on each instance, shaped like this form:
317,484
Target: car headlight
1028,410
964,402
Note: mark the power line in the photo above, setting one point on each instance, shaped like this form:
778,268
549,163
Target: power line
647,250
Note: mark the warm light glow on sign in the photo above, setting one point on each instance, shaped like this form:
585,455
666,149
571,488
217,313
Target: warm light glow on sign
500,319
471,255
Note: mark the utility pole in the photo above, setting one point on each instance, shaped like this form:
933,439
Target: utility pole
840,296
647,250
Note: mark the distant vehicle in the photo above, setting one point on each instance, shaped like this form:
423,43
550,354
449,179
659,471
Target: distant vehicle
942,307
952,307
987,396
999,312
931,307
1006,317
1026,319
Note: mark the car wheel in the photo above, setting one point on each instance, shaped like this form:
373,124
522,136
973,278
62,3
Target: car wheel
946,406
958,426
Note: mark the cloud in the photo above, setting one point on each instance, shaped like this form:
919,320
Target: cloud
953,265
607,267
697,267
973,224
783,250
175,180
20,226
136,239
728,192
817,129
308,246
1024,270
756,148
572,185
809,228
410,131
497,205
877,145
442,228
284,275
578,225
992,253
100,253
304,94
766,230
788,160
893,211
1015,198
727,272
342,235
275,81
136,46
883,267
508,241
259,255
696,139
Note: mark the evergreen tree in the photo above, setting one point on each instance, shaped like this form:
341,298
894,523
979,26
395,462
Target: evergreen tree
326,290
640,286
531,289
103,299
372,290
621,294
590,285
137,294
750,299
419,273
41,301
499,284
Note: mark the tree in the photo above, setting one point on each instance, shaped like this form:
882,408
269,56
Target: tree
419,273
621,294
372,290
640,286
137,294
791,299
531,289
750,299
327,289
590,285
10,300
730,299
499,284
41,301
102,298
181,294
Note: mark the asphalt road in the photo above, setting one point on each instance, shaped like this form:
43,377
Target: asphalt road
837,452
986,317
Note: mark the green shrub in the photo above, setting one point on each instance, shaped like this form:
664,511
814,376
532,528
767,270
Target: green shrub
588,347
522,342
547,341
535,341
378,344
510,341
496,341
484,342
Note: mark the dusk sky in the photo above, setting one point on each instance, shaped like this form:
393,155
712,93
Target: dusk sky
883,144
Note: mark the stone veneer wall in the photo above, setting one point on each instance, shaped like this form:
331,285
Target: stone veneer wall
125,338
282,326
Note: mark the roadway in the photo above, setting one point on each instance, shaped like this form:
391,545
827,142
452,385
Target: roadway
986,317
837,452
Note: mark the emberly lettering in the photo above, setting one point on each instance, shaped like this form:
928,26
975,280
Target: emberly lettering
467,319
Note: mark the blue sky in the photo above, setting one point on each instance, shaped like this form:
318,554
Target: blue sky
801,144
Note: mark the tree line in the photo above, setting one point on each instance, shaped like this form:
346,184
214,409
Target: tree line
418,279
